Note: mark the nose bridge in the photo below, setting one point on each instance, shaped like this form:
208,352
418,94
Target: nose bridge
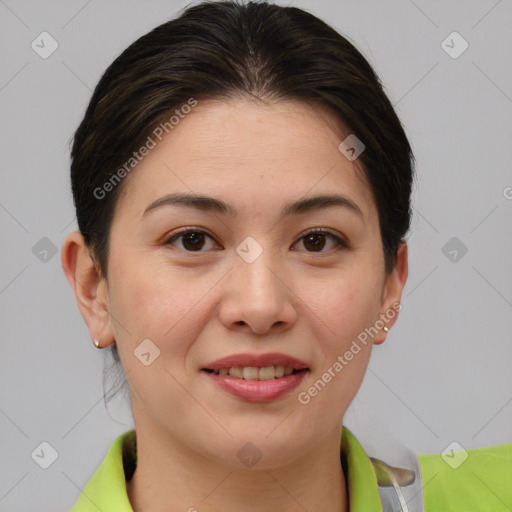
257,296
257,269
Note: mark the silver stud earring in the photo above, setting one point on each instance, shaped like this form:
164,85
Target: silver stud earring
385,329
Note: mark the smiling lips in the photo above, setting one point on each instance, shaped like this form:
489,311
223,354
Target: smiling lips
257,378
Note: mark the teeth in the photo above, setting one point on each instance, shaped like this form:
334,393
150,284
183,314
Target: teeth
265,373
250,372
255,373
236,371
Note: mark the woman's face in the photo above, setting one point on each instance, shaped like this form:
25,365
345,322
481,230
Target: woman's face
248,282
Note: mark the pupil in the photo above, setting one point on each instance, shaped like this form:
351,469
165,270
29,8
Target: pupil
316,245
194,239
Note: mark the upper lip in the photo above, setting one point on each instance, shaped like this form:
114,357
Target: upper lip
259,360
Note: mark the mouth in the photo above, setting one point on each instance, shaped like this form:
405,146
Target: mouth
256,377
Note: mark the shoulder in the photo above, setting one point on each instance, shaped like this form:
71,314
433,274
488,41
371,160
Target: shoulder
106,490
479,479
475,480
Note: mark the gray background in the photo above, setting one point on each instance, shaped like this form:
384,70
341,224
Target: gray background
444,373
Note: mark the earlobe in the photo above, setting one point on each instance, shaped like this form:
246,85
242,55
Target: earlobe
394,286
90,291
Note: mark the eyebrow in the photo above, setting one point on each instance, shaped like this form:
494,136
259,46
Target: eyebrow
211,204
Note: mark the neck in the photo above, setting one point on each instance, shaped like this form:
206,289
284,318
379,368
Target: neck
171,477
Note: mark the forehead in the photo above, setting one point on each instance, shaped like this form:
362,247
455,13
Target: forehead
248,153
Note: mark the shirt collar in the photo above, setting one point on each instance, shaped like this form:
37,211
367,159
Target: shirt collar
106,490
363,490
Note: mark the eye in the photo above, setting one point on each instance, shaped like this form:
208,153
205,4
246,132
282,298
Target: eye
192,240
315,240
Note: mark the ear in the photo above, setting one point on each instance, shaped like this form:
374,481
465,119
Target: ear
90,287
392,294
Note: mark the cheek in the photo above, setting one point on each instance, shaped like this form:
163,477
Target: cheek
145,304
344,311
159,309
343,307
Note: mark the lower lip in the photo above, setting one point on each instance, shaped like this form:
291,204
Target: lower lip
258,390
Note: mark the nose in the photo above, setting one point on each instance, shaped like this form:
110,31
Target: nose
257,298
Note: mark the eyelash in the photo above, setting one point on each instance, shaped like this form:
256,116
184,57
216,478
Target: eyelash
342,244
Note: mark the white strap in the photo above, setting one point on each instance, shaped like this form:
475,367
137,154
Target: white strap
396,490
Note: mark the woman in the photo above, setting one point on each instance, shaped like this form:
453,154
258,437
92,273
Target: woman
242,187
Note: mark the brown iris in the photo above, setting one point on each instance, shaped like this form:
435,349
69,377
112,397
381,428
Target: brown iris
314,241
195,239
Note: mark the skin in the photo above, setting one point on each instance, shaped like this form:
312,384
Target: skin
200,306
